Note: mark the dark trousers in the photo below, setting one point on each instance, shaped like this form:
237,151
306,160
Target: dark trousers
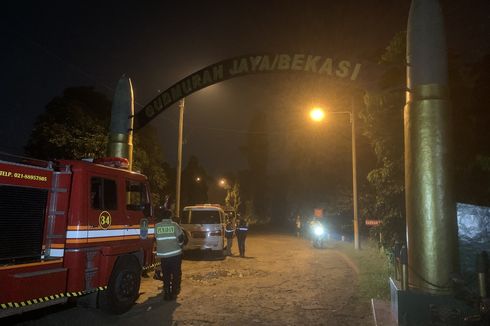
241,243
172,274
229,244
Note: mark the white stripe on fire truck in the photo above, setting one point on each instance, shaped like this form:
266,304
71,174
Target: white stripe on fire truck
56,252
83,234
93,234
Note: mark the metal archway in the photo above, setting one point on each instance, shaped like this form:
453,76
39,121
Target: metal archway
342,70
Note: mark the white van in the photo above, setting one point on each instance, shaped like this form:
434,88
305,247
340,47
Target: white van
204,226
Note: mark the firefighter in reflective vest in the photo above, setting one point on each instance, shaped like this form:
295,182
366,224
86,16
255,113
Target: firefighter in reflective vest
170,239
229,232
241,234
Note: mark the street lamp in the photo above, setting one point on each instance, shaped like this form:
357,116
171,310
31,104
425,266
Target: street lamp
317,114
223,183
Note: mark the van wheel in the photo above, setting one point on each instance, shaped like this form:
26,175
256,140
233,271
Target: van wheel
124,286
217,255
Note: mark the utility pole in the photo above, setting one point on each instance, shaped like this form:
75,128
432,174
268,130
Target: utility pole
357,244
179,157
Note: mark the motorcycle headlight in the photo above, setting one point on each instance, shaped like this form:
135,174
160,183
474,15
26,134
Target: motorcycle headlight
318,230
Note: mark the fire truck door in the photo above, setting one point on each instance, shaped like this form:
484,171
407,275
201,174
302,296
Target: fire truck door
104,219
137,202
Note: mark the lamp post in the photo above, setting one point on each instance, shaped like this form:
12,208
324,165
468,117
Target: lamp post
317,114
357,244
179,157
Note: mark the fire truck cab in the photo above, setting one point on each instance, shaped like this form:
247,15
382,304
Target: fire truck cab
72,228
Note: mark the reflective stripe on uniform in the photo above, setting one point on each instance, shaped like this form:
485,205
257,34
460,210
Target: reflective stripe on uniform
169,253
166,238
243,229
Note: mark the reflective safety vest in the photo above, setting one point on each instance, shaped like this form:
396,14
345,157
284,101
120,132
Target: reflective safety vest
167,235
229,230
242,228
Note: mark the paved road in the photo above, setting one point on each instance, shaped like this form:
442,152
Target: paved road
282,281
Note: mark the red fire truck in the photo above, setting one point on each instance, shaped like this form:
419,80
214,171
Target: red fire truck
70,229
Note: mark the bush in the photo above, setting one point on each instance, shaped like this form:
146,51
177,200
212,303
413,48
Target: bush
374,267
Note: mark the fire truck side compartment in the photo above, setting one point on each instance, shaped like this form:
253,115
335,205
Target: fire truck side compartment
22,214
23,283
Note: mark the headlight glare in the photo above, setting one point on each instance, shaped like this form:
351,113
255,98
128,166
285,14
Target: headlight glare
318,230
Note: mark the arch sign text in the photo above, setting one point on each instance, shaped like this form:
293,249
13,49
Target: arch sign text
246,65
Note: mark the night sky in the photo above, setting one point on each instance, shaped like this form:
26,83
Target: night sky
49,46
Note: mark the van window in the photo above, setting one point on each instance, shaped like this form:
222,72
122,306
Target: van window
203,217
103,193
136,195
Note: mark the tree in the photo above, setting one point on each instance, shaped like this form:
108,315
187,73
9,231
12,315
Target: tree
233,197
382,119
149,160
171,184
76,125
470,101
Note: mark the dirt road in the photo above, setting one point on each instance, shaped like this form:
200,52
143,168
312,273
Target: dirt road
282,281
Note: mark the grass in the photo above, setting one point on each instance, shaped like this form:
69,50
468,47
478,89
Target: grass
374,269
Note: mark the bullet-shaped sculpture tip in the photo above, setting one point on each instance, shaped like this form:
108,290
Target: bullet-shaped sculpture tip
122,106
426,44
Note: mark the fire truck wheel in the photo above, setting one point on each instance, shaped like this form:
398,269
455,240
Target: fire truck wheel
124,285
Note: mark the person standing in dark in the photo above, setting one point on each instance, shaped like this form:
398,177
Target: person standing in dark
229,232
241,233
298,226
170,239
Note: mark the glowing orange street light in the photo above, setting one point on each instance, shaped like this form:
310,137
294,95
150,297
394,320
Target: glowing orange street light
317,114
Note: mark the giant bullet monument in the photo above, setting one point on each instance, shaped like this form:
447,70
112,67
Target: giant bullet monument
428,298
